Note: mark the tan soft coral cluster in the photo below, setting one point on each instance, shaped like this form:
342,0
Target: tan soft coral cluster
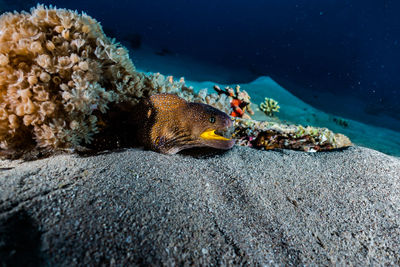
59,73
53,65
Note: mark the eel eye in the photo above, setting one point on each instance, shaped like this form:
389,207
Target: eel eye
212,119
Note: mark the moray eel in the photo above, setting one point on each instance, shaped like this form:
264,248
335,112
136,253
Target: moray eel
169,124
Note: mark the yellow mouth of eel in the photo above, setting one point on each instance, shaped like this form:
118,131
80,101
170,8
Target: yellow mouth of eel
211,135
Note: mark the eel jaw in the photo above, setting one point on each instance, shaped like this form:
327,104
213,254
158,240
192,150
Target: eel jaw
211,139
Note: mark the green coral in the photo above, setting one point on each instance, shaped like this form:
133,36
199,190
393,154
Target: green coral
270,106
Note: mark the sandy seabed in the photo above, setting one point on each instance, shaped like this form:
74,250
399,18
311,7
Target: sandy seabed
242,206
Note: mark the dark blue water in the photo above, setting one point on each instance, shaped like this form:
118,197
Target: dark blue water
349,48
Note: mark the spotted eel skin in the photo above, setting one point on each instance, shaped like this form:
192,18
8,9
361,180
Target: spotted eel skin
169,124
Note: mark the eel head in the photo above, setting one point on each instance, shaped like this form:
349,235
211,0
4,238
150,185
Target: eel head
209,126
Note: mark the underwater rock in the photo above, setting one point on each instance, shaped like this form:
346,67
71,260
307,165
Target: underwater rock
272,135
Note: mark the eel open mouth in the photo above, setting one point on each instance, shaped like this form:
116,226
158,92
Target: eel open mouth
221,138
221,134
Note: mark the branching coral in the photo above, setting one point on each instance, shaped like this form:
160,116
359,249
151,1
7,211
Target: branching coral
239,101
269,106
59,73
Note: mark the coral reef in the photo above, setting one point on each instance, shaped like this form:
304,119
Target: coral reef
270,107
59,73
221,102
63,81
271,135
239,101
